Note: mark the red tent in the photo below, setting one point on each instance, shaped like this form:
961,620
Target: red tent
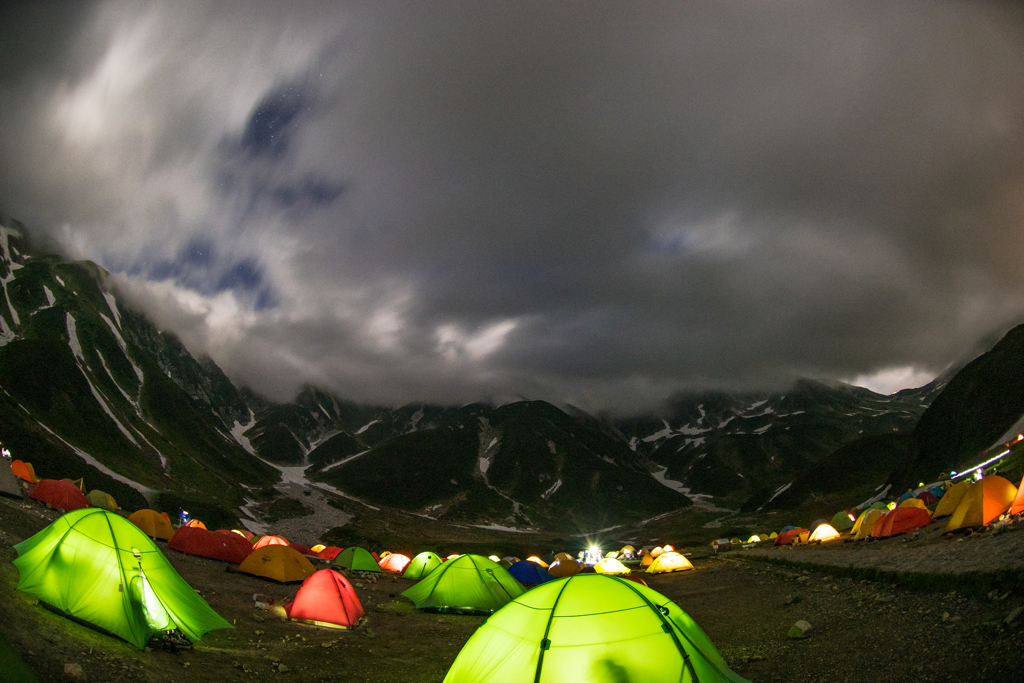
269,540
394,563
927,497
786,537
900,521
229,547
326,598
59,494
330,552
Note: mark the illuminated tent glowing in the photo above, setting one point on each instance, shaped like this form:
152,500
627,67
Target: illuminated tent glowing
949,501
469,584
902,520
24,471
594,628
59,493
529,573
195,523
841,521
610,565
646,558
244,533
278,563
227,547
822,533
394,563
317,548
326,598
754,539
669,562
563,566
534,558
101,499
152,523
9,482
356,559
983,502
98,567
264,541
421,565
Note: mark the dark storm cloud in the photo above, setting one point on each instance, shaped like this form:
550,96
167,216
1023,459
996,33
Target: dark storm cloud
595,203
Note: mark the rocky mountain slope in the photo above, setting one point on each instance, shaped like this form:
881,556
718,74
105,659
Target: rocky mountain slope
91,389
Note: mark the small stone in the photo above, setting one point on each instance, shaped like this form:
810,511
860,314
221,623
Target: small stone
257,617
945,616
793,598
74,672
1013,615
884,598
283,669
799,630
369,633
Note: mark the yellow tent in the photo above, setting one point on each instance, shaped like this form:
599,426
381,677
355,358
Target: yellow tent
646,559
865,522
754,539
610,565
152,523
278,562
983,502
914,503
564,565
949,501
824,532
773,535
669,562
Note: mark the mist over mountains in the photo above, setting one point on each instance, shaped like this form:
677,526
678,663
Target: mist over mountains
92,389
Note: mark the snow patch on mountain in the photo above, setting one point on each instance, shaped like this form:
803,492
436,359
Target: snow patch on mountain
100,466
238,434
551,491
366,426
112,305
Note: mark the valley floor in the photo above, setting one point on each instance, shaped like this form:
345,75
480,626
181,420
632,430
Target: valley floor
862,630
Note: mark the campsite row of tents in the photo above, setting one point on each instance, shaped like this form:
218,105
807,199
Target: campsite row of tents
562,626
967,504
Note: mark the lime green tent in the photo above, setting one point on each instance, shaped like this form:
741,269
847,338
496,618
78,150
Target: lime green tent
466,585
841,521
590,627
356,559
97,567
421,565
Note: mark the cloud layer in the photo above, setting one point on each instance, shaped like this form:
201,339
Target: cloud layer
478,201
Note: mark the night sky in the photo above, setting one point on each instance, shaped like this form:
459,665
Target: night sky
596,203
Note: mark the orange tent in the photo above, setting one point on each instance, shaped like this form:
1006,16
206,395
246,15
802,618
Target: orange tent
1018,502
195,523
534,558
25,471
786,537
902,520
913,502
330,552
394,563
152,523
279,563
564,565
326,599
983,502
270,540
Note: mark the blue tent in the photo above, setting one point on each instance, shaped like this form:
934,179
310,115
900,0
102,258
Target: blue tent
526,572
787,528
905,496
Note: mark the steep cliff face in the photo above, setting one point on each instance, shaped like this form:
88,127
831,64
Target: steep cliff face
92,389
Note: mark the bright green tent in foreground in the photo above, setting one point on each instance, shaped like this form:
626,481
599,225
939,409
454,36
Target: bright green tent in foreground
594,628
98,567
356,559
421,565
467,584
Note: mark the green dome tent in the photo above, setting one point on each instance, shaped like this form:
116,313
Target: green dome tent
594,628
356,559
102,499
421,565
841,521
469,584
99,568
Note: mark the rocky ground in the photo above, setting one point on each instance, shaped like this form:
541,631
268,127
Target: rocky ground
747,602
